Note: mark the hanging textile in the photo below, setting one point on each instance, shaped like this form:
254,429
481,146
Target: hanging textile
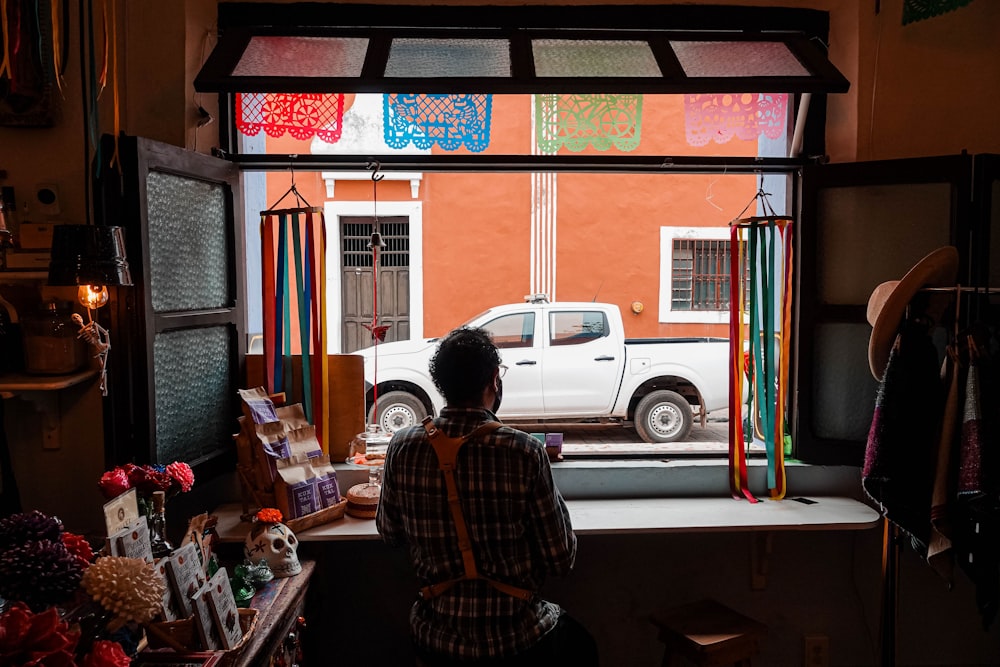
579,121
746,116
450,121
27,73
293,243
302,115
760,340
918,10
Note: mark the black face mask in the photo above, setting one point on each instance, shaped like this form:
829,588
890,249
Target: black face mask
496,401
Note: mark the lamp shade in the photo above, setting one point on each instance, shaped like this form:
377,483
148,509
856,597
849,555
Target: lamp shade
88,255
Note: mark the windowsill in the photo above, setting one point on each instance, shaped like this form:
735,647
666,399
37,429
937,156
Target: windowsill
609,497
588,479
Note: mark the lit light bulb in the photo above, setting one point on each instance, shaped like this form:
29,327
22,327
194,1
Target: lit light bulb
92,296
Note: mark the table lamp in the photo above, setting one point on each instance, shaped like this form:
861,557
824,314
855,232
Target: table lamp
92,257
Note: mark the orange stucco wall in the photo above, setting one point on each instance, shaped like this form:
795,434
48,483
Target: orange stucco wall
477,227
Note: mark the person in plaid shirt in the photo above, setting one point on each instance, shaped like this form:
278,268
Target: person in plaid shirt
517,522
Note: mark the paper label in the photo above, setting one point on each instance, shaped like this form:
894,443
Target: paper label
121,512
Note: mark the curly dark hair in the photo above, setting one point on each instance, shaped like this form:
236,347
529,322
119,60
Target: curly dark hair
463,365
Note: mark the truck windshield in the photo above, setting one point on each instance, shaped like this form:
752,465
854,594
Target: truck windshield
473,319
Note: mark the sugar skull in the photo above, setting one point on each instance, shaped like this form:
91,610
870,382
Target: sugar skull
276,544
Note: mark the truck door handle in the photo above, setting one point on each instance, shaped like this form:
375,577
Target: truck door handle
526,362
604,357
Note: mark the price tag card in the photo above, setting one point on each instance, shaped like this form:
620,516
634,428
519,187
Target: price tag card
121,512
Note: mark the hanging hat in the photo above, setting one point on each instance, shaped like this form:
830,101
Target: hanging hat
888,301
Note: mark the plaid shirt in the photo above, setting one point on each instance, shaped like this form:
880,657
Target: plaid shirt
517,520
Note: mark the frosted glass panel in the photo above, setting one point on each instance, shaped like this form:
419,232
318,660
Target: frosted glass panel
193,393
565,57
188,243
880,231
700,59
844,389
302,56
448,57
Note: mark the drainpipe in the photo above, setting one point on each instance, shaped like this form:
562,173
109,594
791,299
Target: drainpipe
800,124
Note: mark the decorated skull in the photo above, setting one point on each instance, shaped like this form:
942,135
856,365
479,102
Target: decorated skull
276,544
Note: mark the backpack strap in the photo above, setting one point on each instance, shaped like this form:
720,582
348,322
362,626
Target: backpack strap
446,450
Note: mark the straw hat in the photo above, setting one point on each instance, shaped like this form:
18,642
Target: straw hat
888,301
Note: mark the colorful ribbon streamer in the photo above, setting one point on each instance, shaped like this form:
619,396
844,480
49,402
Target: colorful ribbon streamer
293,244
754,246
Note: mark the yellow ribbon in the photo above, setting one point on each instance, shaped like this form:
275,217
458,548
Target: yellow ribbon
57,45
5,60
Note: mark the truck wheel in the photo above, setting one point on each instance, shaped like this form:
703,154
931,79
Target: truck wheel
663,416
397,410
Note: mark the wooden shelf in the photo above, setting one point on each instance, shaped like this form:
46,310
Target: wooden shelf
12,276
16,382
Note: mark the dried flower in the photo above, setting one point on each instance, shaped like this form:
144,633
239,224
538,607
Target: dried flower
35,639
127,587
147,479
269,515
172,479
39,573
79,547
182,474
106,653
17,529
114,483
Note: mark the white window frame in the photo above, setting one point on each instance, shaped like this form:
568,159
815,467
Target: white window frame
333,211
666,313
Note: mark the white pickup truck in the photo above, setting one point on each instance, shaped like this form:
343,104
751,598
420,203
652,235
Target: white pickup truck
567,362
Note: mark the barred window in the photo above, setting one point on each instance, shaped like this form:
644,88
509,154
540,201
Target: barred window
357,233
700,275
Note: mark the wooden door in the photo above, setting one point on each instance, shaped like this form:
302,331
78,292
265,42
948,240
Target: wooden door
393,279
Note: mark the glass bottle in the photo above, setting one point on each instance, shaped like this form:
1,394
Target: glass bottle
51,342
158,526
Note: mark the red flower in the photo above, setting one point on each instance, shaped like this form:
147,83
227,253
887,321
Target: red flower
114,483
79,547
146,479
182,474
269,515
106,654
35,639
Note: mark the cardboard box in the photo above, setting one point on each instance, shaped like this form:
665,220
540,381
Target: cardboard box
36,235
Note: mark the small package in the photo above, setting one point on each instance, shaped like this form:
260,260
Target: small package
326,481
279,441
185,576
169,606
258,406
222,605
133,541
295,487
208,635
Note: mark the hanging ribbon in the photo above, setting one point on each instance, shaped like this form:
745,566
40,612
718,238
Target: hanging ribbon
738,367
759,239
378,331
294,257
5,69
58,61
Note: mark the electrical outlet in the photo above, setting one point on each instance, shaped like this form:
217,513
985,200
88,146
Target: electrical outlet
817,649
